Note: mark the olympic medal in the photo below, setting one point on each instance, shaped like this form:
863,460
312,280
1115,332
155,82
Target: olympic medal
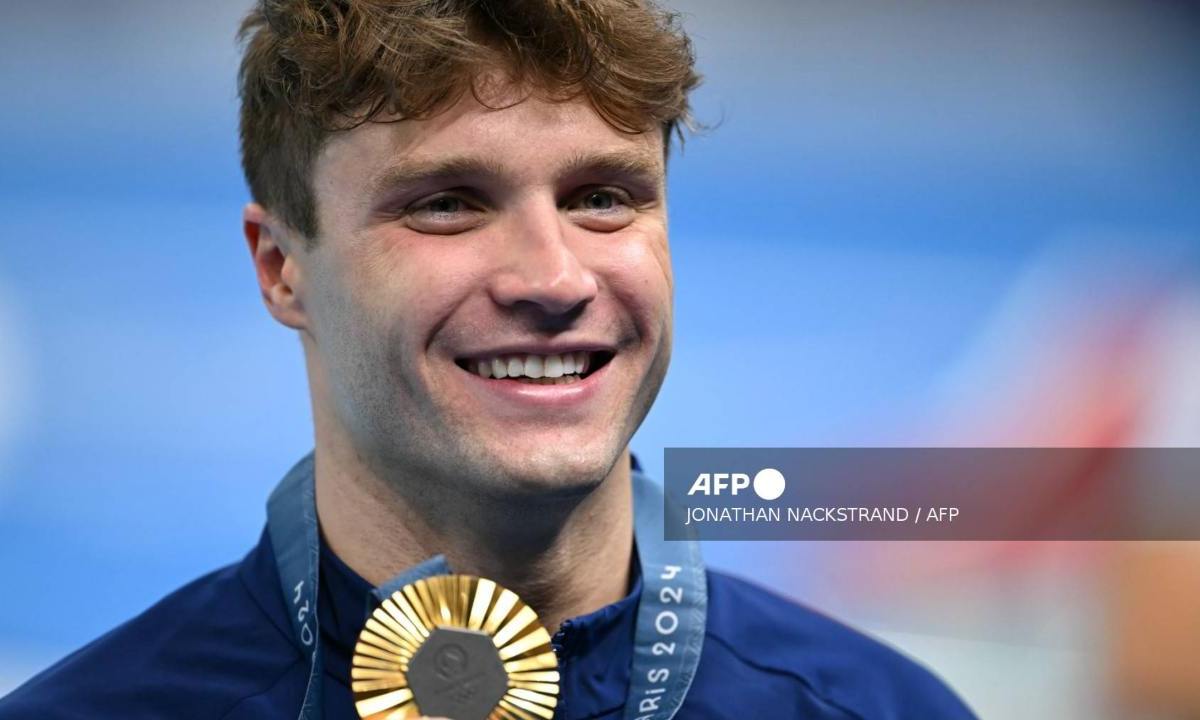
454,646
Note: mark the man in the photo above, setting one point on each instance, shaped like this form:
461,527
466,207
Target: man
460,207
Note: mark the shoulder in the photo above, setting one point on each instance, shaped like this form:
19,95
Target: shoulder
810,663
200,652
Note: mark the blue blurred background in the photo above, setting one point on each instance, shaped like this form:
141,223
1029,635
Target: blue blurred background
912,223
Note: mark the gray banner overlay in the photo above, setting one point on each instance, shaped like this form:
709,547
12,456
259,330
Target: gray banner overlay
932,493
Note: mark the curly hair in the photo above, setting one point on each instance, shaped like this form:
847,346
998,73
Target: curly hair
314,67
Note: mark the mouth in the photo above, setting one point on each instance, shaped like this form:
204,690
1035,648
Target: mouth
563,368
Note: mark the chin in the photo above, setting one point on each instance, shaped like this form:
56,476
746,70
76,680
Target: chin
552,470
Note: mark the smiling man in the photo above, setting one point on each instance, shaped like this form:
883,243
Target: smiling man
460,207
486,315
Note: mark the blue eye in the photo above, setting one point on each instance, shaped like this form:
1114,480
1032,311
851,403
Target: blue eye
602,200
444,205
444,215
599,200
603,209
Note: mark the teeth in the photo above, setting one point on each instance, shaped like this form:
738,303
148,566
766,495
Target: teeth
533,366
545,369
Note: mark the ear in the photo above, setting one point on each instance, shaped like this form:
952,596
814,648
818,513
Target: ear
274,251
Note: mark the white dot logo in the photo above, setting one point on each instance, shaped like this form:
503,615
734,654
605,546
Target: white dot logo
769,484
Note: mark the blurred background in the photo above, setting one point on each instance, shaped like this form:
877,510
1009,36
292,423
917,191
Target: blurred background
923,223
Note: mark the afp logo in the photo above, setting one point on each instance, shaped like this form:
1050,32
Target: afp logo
768,484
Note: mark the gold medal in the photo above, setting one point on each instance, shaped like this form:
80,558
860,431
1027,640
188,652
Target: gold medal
454,646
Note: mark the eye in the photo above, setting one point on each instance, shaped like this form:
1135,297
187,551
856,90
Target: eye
443,205
445,214
599,200
602,209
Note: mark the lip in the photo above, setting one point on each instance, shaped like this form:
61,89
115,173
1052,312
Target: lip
505,396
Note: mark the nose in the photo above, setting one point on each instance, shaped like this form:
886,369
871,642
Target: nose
539,268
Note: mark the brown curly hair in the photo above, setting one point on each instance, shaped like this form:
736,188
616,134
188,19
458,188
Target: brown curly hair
314,67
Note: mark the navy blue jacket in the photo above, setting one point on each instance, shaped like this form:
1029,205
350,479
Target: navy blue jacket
220,648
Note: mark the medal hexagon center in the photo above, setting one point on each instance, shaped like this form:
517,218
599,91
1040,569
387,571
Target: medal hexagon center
457,674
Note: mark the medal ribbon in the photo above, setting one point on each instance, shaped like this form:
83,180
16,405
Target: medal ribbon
671,612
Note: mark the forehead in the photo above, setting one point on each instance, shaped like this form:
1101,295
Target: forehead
524,141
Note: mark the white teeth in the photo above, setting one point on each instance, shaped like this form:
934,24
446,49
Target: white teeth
533,366
550,369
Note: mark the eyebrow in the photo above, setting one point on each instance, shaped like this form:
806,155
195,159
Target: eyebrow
646,167
411,174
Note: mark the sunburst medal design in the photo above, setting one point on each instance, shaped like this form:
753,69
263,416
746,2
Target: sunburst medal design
454,646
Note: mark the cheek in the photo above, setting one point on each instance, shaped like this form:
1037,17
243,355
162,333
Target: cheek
409,282
637,269
356,305
403,291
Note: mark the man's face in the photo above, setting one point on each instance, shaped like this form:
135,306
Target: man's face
458,252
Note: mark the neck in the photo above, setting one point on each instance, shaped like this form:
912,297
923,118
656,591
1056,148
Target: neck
564,557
